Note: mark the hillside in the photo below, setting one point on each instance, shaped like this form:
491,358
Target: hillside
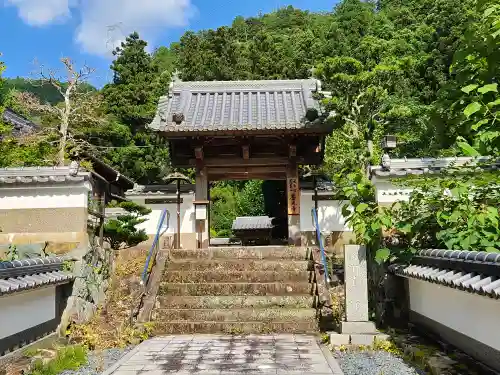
45,92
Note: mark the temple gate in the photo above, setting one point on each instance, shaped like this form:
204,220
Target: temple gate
242,130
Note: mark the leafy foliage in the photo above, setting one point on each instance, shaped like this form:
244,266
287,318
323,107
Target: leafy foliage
132,98
133,94
230,201
455,214
122,232
67,358
477,69
112,326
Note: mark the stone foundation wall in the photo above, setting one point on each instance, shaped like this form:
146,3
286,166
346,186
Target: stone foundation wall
92,273
169,240
43,220
334,243
58,230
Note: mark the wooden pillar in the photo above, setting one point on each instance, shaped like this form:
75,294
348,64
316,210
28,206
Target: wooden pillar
102,212
201,195
293,196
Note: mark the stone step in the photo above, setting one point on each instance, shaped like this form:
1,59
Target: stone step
256,252
233,276
236,289
223,302
234,315
236,328
238,265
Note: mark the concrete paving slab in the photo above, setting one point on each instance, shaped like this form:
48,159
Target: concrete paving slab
219,355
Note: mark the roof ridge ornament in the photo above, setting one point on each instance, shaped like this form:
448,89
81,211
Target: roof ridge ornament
386,162
73,168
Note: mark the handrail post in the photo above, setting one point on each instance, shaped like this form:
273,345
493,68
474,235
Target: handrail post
153,246
321,247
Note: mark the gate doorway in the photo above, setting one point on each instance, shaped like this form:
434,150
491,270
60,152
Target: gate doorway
252,212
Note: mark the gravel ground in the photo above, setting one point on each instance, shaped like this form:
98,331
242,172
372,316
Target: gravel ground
98,361
373,363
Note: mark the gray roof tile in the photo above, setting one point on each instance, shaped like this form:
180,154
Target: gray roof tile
37,175
449,268
419,166
21,125
472,271
252,222
19,275
21,283
470,282
236,105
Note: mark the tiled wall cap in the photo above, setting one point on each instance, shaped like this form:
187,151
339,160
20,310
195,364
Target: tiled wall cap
472,256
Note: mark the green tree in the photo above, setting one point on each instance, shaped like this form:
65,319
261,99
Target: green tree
122,232
28,151
133,95
132,98
476,97
2,82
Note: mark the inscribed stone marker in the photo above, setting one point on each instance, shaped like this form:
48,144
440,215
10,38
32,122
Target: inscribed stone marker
356,283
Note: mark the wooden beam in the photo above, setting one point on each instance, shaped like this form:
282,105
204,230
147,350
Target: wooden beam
236,162
246,152
248,169
247,173
292,151
246,177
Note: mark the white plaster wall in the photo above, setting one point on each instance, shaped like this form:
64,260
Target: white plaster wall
469,314
329,214
21,311
187,215
387,192
44,197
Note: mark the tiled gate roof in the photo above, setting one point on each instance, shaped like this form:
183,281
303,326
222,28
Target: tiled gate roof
236,105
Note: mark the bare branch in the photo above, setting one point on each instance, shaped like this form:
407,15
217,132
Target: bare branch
78,107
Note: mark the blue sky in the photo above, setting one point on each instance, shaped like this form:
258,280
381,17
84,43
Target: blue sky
40,32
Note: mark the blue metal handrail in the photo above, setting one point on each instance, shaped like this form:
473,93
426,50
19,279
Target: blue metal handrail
163,215
321,247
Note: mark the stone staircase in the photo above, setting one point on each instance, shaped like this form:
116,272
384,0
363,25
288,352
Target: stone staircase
236,290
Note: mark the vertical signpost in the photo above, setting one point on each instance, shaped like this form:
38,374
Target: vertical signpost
293,196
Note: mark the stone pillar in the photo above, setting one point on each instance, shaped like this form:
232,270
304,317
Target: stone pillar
357,329
356,283
293,196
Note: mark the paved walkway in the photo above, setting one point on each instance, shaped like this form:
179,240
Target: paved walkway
231,355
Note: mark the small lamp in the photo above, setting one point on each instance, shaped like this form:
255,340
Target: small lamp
389,142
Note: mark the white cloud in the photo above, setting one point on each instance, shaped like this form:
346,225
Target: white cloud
105,23
41,12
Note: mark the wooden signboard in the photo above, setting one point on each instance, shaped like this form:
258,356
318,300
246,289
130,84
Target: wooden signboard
162,200
293,194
